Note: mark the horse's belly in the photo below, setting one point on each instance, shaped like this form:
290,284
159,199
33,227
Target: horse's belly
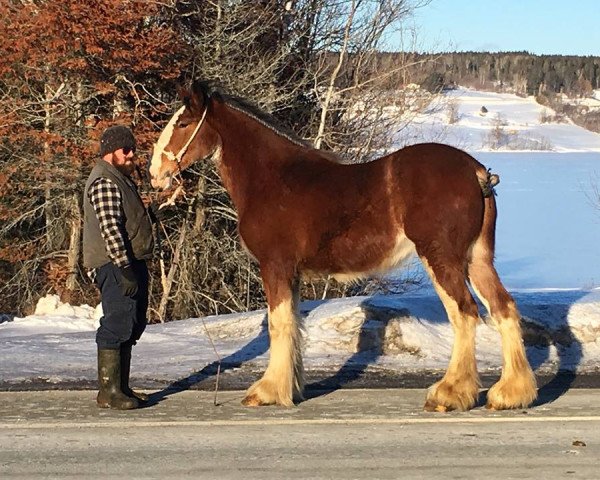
363,260
402,250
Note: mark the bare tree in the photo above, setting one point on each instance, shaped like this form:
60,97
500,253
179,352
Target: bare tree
348,75
316,65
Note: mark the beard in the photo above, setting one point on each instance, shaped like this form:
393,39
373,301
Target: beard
127,167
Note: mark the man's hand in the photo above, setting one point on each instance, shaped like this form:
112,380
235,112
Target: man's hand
156,213
129,284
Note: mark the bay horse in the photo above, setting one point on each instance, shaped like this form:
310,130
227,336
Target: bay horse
302,213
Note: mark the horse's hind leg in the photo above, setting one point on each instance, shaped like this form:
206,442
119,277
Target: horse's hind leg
517,386
283,379
459,388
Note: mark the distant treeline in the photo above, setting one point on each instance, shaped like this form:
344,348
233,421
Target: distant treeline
521,72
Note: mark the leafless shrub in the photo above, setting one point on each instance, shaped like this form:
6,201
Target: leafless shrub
547,117
453,115
499,137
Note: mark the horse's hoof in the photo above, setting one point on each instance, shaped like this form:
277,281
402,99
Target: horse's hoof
510,394
446,397
433,407
252,400
265,392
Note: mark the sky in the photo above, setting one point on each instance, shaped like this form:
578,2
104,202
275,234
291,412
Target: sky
546,255
537,26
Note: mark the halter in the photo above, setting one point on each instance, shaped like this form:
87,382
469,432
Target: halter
183,149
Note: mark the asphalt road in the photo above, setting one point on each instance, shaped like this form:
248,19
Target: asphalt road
341,434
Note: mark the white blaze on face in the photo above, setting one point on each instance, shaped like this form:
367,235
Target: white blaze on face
160,145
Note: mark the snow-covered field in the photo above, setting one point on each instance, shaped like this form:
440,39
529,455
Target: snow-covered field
547,253
518,119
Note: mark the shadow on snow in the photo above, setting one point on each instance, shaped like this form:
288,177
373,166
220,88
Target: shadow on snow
539,339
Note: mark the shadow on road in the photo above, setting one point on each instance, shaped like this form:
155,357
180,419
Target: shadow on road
539,342
539,338
368,350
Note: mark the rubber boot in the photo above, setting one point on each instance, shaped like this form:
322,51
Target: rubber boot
109,382
125,369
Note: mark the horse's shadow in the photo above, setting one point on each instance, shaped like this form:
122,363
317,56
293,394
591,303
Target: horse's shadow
256,347
538,340
369,348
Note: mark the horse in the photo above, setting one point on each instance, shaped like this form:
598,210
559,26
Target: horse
302,213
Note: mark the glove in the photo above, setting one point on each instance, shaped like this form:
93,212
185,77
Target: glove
156,214
129,284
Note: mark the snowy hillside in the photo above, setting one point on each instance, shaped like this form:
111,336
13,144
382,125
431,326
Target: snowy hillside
519,119
548,255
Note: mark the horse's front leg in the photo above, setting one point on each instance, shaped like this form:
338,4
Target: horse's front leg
283,380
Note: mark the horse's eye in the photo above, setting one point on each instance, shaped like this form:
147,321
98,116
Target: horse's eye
182,124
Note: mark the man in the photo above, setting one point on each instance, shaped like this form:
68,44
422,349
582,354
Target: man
117,241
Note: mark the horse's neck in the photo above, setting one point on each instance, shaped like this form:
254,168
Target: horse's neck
250,152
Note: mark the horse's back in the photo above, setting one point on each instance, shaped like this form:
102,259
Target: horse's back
436,157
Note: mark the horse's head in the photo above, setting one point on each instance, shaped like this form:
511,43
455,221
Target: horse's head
188,137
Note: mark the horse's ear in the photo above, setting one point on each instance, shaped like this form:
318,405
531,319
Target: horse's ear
184,94
196,102
199,97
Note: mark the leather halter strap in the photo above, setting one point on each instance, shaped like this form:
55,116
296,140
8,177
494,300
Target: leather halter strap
183,149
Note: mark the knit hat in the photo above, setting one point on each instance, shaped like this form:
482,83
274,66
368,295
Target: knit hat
115,137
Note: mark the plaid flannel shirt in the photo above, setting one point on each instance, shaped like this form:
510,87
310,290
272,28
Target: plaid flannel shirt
106,200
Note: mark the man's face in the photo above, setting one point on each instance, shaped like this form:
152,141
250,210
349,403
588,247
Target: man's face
123,160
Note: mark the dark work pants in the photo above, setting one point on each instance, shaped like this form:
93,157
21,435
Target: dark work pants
124,318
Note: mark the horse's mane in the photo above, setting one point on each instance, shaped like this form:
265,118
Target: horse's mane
211,89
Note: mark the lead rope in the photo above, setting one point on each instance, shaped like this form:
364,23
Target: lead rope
171,201
216,404
206,330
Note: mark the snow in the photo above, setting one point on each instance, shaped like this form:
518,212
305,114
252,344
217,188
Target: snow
547,255
520,118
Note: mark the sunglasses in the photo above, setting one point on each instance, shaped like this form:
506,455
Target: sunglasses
127,150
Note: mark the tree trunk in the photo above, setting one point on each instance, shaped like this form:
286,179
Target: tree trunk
332,79
51,240
74,252
74,244
170,277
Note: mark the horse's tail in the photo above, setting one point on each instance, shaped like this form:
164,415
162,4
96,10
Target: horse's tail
518,378
487,236
487,182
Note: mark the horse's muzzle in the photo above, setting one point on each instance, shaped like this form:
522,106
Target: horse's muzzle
164,182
